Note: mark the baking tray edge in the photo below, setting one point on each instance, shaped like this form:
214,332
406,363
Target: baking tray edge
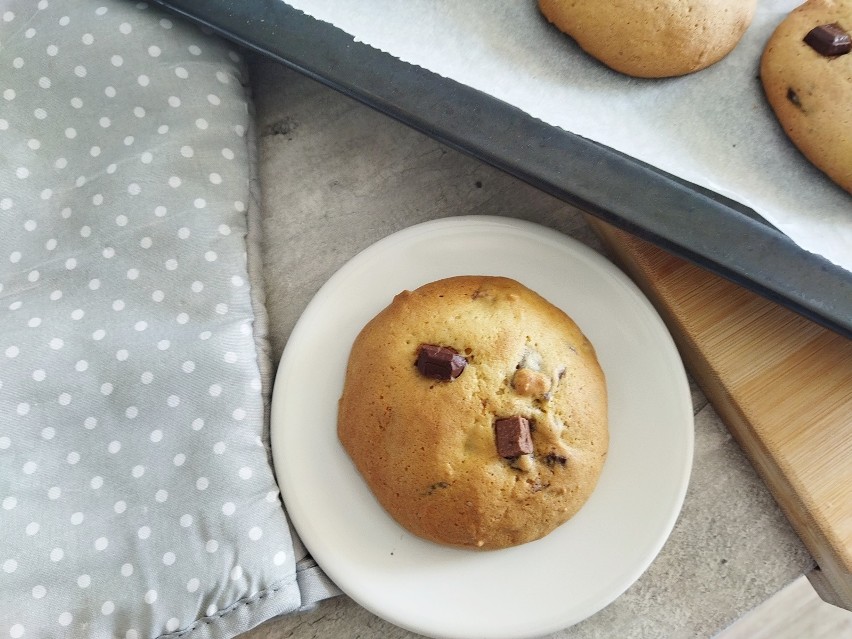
700,226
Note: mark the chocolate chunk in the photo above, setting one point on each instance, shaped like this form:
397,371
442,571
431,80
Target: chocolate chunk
512,435
793,97
829,40
551,459
437,486
439,362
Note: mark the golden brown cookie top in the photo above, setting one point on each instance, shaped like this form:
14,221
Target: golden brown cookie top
806,71
653,39
476,412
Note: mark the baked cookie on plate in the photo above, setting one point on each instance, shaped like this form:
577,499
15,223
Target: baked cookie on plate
476,411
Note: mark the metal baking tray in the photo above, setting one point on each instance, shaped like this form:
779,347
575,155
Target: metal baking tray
701,226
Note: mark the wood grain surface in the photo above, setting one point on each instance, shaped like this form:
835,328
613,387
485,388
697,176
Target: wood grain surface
782,384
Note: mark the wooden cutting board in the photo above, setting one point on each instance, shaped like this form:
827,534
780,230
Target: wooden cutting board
782,385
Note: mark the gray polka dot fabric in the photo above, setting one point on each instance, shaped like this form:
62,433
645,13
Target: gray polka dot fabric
136,490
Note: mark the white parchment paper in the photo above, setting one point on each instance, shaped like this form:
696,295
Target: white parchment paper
713,128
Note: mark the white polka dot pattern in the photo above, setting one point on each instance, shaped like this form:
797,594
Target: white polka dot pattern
134,493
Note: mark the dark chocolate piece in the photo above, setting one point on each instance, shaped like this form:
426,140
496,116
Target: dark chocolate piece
829,40
439,362
793,97
551,459
435,487
512,435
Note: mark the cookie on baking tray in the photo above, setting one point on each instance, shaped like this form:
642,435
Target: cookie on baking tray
806,71
653,39
476,411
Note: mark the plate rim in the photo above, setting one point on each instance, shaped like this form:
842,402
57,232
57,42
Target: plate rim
559,241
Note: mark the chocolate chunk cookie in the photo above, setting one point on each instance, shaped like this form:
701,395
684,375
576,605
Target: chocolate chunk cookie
653,39
476,411
806,71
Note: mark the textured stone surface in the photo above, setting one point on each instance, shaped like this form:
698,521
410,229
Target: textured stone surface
336,177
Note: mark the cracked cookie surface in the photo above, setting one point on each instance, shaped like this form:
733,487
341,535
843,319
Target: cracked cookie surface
427,447
809,87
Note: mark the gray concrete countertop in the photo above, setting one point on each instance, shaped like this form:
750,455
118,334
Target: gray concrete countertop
336,177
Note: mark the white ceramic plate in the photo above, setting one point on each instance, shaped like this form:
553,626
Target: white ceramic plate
529,590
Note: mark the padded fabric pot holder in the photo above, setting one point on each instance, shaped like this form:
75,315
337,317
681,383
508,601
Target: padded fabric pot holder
138,499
